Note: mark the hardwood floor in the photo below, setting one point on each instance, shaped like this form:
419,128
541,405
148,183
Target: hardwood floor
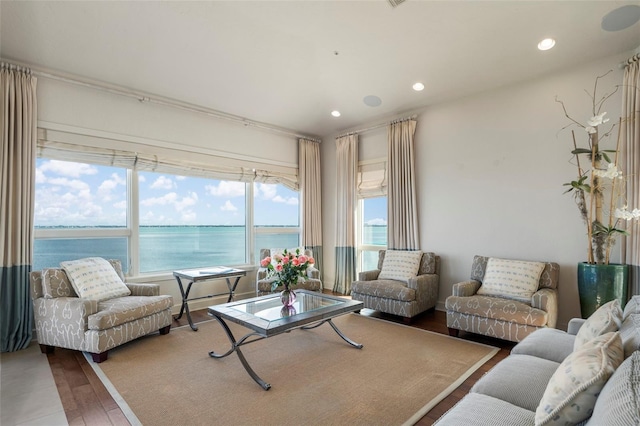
87,402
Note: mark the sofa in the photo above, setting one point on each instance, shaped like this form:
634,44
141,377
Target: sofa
589,375
405,283
263,281
504,298
62,319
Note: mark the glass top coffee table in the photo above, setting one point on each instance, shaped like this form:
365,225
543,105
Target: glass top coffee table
267,317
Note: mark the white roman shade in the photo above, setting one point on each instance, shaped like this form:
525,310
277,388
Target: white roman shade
106,151
372,178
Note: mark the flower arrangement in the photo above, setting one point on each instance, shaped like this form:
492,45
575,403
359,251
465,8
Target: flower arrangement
288,268
599,190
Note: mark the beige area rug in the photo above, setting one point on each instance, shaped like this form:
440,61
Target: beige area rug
316,378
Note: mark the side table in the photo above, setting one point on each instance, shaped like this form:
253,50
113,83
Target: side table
204,274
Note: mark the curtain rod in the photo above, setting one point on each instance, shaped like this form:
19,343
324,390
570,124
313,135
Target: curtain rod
377,126
634,58
160,100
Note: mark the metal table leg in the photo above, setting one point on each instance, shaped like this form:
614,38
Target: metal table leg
185,304
232,288
335,328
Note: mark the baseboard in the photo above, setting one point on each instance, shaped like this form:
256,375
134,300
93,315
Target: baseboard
205,303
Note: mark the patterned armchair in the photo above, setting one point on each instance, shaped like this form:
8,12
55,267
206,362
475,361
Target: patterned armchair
497,315
406,299
64,320
263,284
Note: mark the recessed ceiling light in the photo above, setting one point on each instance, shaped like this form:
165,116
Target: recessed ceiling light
418,87
546,44
335,113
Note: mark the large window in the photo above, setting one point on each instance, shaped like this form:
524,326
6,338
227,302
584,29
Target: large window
156,222
372,231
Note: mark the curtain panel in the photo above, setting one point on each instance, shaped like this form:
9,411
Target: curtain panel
18,115
347,174
402,208
311,198
92,149
630,133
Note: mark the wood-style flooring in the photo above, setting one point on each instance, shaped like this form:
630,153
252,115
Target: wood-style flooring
87,402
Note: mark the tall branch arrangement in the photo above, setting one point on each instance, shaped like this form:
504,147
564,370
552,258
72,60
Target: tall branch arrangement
599,189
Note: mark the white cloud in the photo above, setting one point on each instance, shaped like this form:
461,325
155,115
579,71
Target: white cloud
377,221
73,184
163,182
228,207
226,189
65,168
181,177
40,177
120,204
188,216
105,188
168,198
187,201
266,190
291,200
141,178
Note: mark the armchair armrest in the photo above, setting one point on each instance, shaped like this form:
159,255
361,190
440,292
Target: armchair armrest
466,288
313,273
421,282
69,311
546,299
368,275
140,289
261,274
574,325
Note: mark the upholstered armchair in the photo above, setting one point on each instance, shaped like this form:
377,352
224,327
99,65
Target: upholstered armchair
263,283
496,301
62,319
404,286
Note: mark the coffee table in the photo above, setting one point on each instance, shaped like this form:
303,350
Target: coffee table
267,317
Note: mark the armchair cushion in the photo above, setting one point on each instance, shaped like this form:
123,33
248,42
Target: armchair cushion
511,279
507,310
95,278
573,389
400,265
120,310
388,289
607,318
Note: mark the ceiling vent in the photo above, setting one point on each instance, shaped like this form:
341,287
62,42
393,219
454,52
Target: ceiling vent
395,3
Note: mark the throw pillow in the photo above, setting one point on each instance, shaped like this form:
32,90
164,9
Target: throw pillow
632,307
94,278
573,389
511,279
400,265
630,333
55,283
607,318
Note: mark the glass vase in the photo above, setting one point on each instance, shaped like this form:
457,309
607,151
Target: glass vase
287,297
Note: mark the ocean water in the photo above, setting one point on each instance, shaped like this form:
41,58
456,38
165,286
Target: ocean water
168,248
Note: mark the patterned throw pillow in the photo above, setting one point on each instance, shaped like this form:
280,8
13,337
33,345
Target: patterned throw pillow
55,283
607,318
573,389
400,265
632,307
94,278
511,279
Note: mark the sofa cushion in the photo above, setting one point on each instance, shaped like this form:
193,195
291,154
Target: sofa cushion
511,279
573,389
476,409
120,310
55,283
607,318
518,379
386,289
548,343
94,278
400,265
632,307
619,401
630,334
497,308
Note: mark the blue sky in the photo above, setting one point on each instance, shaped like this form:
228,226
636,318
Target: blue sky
76,194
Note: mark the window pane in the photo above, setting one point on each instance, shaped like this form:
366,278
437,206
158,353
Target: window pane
268,241
189,222
79,195
374,231
369,260
48,253
275,205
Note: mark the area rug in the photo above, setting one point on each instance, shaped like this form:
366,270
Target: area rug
316,378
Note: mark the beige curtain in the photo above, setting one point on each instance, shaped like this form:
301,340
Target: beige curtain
311,197
402,208
347,175
18,118
630,133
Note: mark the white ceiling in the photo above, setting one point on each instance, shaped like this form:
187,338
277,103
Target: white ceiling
275,61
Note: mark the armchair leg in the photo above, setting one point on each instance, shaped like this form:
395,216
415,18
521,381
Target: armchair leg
453,332
406,320
98,358
165,330
46,349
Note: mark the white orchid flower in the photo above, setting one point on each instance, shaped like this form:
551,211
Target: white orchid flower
612,172
624,213
598,120
590,130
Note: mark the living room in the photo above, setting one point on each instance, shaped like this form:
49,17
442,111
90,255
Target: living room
490,161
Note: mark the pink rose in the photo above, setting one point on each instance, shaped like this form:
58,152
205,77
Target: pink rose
295,261
285,260
311,261
264,262
279,267
277,257
302,258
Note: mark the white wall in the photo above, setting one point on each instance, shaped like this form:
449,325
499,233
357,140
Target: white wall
490,170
